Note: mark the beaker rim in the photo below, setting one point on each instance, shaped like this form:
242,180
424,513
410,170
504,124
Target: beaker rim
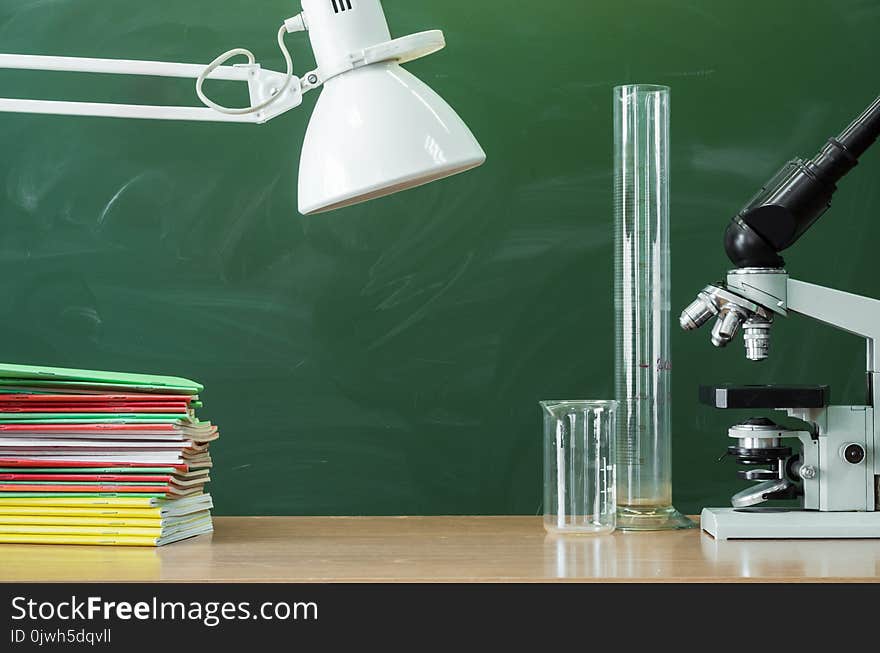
579,403
642,88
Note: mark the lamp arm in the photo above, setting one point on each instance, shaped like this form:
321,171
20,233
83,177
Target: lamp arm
261,84
271,93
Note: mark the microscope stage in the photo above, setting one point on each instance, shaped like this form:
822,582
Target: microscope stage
781,524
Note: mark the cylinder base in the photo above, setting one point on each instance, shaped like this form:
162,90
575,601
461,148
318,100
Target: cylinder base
652,518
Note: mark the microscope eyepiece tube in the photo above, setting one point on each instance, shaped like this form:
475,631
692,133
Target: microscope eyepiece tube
797,196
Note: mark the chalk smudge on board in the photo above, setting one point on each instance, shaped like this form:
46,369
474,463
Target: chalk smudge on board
708,72
117,195
423,310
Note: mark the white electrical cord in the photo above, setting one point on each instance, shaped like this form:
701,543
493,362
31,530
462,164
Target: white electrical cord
226,56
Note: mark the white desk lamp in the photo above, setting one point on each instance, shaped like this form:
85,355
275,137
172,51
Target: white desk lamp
375,130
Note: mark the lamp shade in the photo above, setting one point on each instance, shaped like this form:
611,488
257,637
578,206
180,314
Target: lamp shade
377,130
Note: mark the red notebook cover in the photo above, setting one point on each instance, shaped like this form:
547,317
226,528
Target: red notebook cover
96,408
86,428
93,399
139,489
29,462
90,478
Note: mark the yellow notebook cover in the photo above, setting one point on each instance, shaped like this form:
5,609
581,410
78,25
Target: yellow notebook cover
82,520
140,508
43,529
93,540
156,529
80,502
192,529
137,521
84,511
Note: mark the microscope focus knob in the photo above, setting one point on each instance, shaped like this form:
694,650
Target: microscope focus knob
807,472
853,453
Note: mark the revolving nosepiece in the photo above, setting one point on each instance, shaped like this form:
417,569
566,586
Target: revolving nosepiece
733,312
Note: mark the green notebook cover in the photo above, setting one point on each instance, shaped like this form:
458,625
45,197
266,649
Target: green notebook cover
94,418
10,371
36,386
158,418
86,388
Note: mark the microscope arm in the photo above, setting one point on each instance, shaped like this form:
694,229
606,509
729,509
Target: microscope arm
851,313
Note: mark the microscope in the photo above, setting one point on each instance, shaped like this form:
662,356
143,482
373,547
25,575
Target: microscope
830,463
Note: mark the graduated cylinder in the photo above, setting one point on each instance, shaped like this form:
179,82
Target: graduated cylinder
642,305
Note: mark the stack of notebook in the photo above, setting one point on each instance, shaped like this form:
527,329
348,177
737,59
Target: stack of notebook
91,457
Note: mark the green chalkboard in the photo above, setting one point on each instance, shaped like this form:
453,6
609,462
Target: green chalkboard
388,358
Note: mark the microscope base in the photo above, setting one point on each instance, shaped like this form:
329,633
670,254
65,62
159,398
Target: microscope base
781,524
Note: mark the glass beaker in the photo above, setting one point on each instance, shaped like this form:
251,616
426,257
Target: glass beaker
579,462
642,305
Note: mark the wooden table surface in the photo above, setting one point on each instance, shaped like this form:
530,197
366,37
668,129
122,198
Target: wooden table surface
446,549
